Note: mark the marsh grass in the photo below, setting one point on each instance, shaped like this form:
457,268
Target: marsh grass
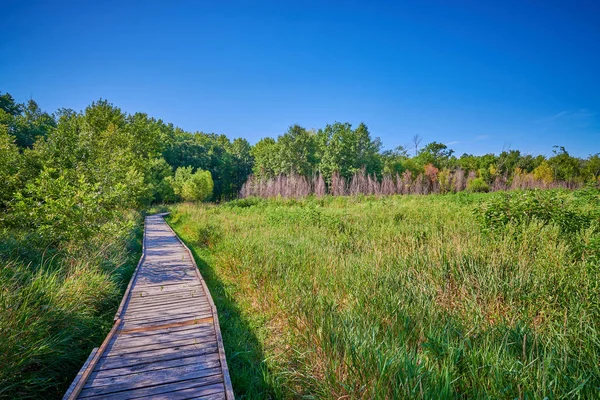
402,297
58,302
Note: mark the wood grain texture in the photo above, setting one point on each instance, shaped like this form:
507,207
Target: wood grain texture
166,342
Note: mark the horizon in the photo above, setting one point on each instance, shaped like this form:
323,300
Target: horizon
476,78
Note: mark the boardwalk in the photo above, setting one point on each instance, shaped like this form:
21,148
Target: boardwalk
166,342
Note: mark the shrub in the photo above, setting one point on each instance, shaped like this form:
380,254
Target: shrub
192,186
477,185
541,205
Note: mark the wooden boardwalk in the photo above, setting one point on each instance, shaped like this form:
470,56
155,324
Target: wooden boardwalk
166,341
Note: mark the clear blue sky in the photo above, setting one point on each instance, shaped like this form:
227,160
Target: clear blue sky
475,75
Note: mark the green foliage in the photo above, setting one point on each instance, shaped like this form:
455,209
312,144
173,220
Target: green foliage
591,170
543,172
477,185
264,161
347,151
58,304
547,207
565,167
434,153
229,163
26,123
393,161
10,164
192,186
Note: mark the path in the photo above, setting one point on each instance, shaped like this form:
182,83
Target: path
166,341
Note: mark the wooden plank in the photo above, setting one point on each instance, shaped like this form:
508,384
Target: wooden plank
163,391
157,290
191,322
162,286
150,338
162,313
161,298
172,298
157,355
157,330
210,392
150,379
184,303
216,396
140,292
165,320
124,351
106,373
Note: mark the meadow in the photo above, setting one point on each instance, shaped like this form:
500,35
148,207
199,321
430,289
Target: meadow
467,295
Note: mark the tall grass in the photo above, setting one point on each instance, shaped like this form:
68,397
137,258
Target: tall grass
403,296
57,303
432,181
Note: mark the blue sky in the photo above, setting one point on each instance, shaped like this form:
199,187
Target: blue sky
480,76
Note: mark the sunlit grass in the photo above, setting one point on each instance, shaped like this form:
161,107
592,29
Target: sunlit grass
398,297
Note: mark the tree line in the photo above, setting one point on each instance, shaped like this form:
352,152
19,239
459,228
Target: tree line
68,167
83,163
340,160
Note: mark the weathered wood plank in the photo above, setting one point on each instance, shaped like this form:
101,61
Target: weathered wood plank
107,373
163,391
165,320
156,356
165,312
166,329
167,288
168,306
172,299
210,392
150,379
127,324
187,322
208,338
125,341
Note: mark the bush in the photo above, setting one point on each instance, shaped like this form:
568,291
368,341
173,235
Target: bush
541,205
477,185
192,186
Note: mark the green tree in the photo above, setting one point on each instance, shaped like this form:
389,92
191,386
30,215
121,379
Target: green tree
346,150
10,166
296,152
544,173
564,167
591,169
26,123
192,186
240,149
434,153
392,160
264,152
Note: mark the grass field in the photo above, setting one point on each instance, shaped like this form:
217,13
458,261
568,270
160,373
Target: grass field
57,303
442,296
